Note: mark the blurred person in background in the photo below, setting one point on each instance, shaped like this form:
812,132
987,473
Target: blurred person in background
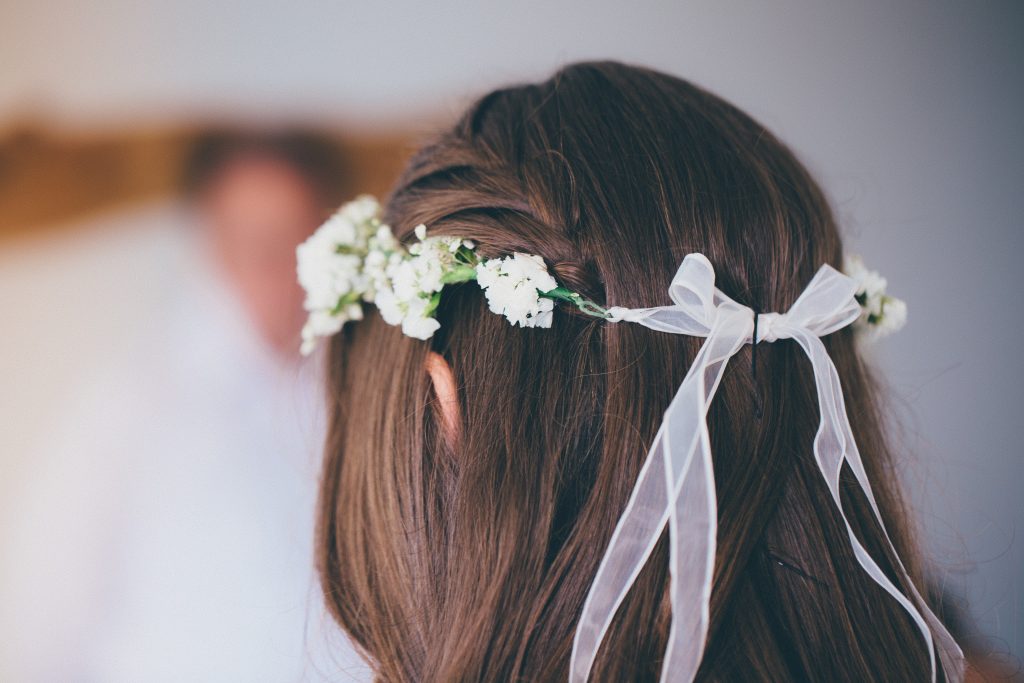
164,530
260,195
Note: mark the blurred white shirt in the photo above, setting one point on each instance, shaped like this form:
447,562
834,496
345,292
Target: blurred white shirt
163,530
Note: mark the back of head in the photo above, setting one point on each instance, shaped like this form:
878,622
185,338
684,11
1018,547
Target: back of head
467,554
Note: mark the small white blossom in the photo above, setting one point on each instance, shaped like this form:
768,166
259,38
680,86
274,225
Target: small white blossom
389,306
881,314
325,274
320,324
419,327
404,295
382,250
355,258
894,315
513,285
417,321
454,244
869,282
403,280
331,268
362,209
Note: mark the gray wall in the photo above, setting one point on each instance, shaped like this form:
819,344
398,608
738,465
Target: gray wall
909,113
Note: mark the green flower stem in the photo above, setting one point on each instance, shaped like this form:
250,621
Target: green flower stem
435,300
585,305
347,300
466,255
459,273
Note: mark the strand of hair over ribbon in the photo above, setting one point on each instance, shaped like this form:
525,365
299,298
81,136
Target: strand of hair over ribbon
676,484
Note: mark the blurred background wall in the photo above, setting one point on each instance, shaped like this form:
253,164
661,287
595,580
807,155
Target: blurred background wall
909,114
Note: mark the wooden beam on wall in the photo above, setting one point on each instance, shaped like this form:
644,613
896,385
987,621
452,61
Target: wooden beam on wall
50,179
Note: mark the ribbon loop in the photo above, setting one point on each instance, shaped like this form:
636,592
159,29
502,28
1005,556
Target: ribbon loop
694,293
676,484
693,287
827,303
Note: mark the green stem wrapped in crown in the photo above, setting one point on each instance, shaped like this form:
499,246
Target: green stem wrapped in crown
354,258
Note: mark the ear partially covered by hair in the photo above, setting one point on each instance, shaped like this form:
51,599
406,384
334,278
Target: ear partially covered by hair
443,380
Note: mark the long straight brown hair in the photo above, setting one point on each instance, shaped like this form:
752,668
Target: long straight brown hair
468,557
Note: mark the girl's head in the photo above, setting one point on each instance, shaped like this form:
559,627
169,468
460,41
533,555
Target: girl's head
472,482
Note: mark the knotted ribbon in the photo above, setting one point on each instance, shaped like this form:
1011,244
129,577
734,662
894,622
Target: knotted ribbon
676,485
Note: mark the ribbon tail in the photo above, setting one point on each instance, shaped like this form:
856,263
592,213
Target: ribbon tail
693,524
950,654
675,487
693,527
632,543
833,445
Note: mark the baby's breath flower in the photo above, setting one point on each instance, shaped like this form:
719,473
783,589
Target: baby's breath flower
355,258
894,315
382,250
323,324
513,285
418,321
881,314
407,287
332,267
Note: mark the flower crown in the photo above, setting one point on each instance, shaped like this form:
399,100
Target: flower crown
354,258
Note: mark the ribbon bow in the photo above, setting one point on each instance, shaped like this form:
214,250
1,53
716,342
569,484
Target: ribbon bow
676,485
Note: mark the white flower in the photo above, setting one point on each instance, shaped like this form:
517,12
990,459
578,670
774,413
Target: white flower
319,324
513,285
404,296
881,314
410,311
382,250
869,282
894,315
339,229
355,258
389,307
428,271
331,268
360,211
417,322
402,276
431,258
889,316
454,244
325,274
420,327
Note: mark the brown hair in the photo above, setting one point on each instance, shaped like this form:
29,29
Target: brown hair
468,559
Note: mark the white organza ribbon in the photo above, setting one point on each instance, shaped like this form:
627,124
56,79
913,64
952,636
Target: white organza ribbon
676,485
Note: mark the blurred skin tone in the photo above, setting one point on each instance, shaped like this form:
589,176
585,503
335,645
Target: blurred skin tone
257,209
443,380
